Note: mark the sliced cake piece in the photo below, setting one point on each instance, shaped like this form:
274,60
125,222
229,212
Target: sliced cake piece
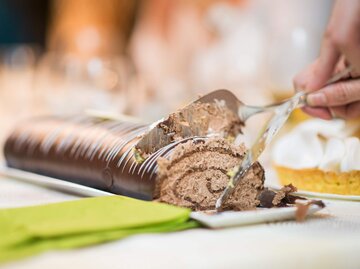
197,172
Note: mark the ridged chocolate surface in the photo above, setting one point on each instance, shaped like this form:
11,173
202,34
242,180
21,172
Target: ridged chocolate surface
88,151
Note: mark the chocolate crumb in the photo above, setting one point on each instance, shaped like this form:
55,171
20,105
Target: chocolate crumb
318,203
266,198
283,193
291,198
282,198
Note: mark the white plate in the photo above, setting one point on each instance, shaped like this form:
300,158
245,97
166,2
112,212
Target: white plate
49,182
220,220
260,215
273,182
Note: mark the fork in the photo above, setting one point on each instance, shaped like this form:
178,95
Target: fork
282,111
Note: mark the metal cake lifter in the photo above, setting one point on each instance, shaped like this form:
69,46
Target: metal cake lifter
156,137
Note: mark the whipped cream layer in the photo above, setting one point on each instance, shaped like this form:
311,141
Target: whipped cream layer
326,145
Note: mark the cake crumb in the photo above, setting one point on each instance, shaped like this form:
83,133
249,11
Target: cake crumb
282,193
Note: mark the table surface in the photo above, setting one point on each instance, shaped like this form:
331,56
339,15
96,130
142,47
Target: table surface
331,239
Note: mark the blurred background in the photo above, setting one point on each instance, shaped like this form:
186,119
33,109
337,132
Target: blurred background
148,57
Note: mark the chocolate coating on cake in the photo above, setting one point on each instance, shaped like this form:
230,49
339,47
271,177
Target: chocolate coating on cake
88,151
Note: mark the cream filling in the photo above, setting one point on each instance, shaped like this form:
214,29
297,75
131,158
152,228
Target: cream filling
325,145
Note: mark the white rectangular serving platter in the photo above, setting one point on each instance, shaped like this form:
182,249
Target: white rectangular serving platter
260,215
219,220
50,182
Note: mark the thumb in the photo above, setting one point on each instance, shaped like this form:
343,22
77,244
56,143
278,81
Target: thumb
337,94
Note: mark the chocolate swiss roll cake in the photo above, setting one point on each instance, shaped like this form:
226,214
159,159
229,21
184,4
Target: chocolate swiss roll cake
88,151
189,170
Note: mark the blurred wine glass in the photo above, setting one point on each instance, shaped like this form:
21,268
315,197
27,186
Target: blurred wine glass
85,66
67,84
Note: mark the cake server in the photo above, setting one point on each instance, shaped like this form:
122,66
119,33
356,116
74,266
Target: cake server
282,112
155,138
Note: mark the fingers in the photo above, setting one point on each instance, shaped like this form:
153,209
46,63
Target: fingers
341,65
344,30
342,38
325,65
319,112
319,72
337,94
353,110
350,111
329,54
301,80
340,48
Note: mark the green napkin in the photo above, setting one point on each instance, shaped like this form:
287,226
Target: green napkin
29,230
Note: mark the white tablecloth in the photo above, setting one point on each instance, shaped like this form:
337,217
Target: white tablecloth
329,240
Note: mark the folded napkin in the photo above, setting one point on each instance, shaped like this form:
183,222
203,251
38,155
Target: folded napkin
29,230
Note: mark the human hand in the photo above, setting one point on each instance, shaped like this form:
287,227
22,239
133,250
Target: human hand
340,47
337,100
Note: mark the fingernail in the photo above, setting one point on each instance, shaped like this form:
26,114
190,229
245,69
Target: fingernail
316,99
333,114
